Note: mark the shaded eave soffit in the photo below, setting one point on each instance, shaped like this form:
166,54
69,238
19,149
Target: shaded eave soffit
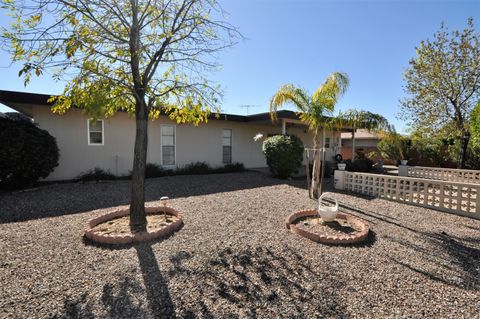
13,99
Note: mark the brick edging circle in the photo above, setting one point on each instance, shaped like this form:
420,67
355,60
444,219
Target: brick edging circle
131,238
328,239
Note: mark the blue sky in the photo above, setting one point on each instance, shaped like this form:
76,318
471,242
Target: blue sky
302,42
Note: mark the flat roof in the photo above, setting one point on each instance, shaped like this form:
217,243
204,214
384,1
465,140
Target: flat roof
10,98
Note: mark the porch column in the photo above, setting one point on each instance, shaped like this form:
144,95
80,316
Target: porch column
284,127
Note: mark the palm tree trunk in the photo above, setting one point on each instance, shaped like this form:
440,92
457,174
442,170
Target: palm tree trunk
322,173
314,187
138,218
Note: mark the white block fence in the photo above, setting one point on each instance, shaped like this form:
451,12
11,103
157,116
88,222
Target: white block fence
442,174
453,197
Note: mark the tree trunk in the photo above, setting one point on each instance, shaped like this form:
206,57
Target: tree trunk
138,218
463,150
314,187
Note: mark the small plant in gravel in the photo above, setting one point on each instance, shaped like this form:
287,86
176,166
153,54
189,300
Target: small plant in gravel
284,154
96,174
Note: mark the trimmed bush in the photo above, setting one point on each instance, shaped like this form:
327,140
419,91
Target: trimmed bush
284,154
363,165
231,168
197,168
27,153
153,170
329,169
96,174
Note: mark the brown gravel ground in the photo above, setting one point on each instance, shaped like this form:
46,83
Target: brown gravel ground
234,258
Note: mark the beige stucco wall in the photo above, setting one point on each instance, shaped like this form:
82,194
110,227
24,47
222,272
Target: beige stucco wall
201,143
364,142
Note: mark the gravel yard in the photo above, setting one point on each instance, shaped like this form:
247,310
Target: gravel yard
234,258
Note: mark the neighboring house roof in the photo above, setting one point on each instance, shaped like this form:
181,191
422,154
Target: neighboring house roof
360,134
11,98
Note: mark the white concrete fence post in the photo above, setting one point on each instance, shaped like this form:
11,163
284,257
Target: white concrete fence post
402,170
339,179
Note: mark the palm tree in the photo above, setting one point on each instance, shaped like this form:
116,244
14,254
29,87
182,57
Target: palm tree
313,111
361,119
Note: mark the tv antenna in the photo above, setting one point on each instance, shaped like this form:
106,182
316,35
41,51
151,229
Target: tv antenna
247,106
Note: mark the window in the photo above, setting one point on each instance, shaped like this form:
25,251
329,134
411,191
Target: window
227,146
327,142
95,132
168,144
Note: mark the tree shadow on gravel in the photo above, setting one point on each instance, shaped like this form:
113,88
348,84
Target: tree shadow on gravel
456,260
121,300
370,216
256,282
76,308
71,198
158,296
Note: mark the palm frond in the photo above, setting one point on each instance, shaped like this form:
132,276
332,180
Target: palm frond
334,87
288,93
364,119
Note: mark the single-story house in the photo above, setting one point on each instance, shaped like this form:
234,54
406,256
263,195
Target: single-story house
109,143
365,142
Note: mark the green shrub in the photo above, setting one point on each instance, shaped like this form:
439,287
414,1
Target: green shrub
200,168
473,158
228,168
284,154
233,168
329,169
154,170
96,174
27,152
363,165
394,147
197,168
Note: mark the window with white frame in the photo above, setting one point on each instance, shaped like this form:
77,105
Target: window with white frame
168,144
95,132
227,146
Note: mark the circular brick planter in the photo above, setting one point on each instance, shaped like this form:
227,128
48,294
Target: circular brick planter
91,234
325,238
